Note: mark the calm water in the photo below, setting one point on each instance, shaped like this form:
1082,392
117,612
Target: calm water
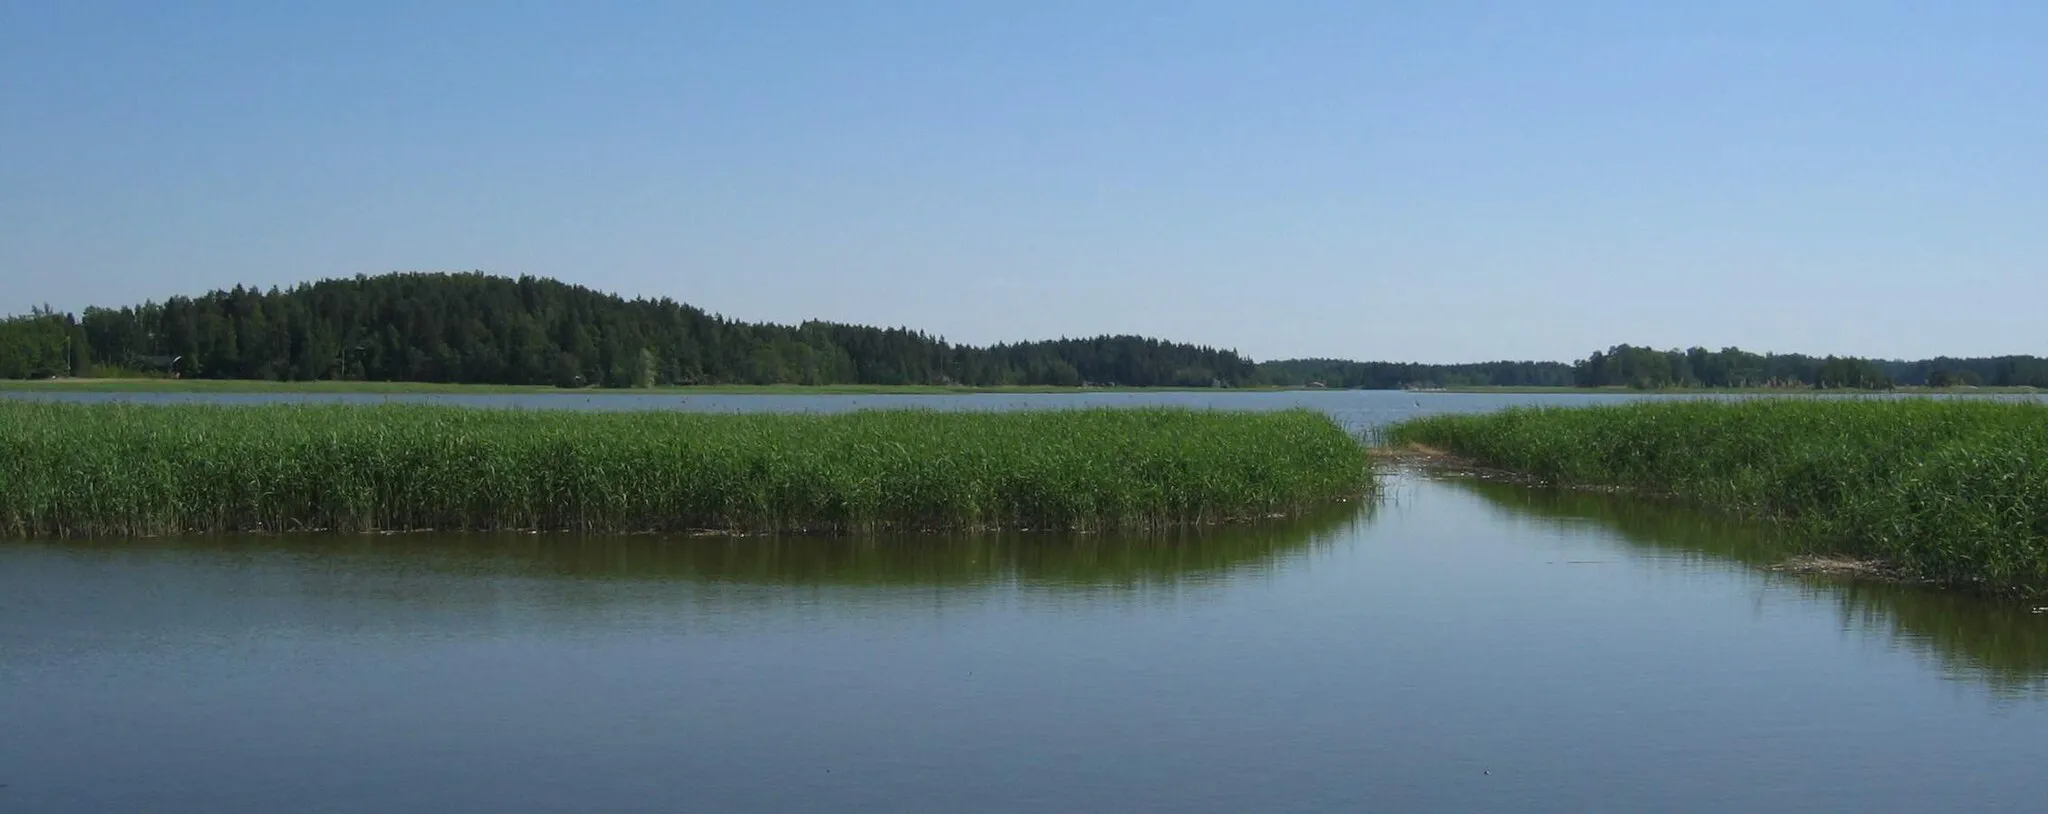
1358,409
1355,408
1460,647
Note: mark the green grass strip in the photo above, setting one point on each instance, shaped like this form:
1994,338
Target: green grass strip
123,469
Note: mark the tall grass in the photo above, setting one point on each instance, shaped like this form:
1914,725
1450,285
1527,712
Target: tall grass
111,469
1950,490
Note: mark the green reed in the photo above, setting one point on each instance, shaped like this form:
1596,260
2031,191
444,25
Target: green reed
1950,490
112,469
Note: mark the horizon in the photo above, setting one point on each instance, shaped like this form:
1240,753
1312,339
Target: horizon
1166,339
1429,186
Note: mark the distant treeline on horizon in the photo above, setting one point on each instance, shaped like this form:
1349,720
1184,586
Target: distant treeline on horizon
480,329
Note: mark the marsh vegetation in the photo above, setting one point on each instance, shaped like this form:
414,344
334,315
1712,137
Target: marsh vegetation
1949,490
117,469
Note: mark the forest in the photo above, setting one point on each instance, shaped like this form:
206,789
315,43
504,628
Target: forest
1629,366
476,328
483,329
1347,374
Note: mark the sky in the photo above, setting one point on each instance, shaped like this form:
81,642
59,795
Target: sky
1430,181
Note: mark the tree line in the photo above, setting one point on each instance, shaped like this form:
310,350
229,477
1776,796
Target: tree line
1642,367
41,345
1344,373
478,328
1649,368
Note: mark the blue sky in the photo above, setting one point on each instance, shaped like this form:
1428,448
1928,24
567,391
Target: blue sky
1434,181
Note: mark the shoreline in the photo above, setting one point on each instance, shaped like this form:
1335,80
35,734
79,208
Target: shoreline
1734,391
440,388
1432,462
1941,490
148,385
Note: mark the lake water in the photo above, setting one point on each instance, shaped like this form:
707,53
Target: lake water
1357,409
1457,646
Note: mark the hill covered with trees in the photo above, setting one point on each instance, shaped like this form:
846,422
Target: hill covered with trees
483,329
476,328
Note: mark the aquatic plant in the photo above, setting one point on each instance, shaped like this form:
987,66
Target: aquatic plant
125,469
1953,490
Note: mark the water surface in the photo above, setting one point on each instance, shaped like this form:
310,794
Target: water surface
1459,647
1356,409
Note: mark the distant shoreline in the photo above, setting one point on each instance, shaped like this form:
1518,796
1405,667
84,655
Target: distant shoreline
73,385
1762,391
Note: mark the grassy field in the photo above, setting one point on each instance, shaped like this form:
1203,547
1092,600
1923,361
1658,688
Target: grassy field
1949,490
262,386
112,469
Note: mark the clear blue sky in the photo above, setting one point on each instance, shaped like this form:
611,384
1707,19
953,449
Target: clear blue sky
1431,181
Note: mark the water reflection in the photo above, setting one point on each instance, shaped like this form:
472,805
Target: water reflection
64,600
2000,642
1421,656
1201,554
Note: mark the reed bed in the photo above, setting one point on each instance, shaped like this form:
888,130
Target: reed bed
1949,490
115,469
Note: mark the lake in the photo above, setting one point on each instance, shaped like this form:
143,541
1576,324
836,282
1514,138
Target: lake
1357,409
1456,646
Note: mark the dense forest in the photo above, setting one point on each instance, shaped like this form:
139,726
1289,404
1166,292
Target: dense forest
476,328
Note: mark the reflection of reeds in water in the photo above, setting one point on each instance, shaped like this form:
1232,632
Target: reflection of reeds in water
1046,559
2004,644
1993,640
